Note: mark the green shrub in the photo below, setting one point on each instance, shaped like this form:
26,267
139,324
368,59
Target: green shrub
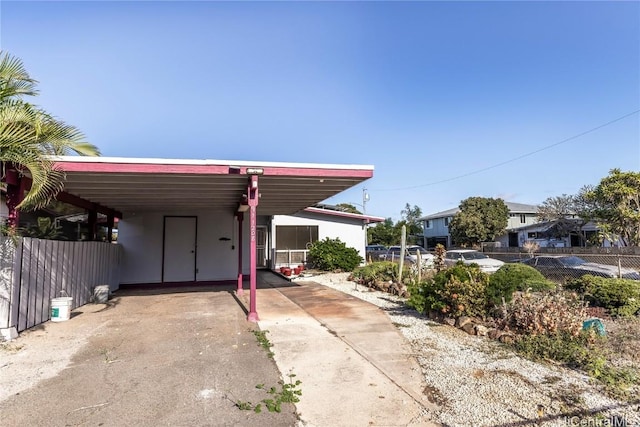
456,291
332,254
515,277
621,297
383,271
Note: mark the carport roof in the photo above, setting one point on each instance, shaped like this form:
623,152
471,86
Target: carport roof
135,184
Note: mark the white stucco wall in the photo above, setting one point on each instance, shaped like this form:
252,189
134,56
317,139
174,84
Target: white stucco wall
141,235
348,230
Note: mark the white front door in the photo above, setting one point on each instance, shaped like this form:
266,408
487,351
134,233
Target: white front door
179,255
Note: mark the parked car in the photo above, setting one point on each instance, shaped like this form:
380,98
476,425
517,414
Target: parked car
375,252
560,267
470,256
411,255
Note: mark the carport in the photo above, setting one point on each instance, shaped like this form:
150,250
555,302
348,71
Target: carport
143,191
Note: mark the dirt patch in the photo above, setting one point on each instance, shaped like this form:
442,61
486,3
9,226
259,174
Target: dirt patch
624,341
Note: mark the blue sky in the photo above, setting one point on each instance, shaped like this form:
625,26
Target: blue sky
427,92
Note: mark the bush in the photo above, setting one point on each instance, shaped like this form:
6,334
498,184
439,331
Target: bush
545,314
457,291
332,254
383,271
621,297
515,277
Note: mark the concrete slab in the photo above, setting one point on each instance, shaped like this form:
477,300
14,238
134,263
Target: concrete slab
164,357
149,358
356,368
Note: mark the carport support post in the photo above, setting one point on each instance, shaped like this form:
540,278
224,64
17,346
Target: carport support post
110,223
252,193
92,222
240,291
15,191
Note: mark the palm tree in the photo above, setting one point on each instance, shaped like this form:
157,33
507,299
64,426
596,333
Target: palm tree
29,136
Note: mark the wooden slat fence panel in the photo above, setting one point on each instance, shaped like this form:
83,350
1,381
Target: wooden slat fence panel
45,269
8,254
25,278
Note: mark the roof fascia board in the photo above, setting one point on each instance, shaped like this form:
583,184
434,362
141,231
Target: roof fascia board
345,214
225,164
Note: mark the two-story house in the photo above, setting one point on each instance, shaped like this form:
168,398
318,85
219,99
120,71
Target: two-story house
436,226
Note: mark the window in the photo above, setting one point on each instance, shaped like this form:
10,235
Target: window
523,218
428,224
447,220
295,236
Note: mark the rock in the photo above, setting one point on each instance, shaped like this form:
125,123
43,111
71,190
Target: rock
481,330
469,328
507,338
462,320
494,334
449,321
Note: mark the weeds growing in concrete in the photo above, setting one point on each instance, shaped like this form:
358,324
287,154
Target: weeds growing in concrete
284,392
263,341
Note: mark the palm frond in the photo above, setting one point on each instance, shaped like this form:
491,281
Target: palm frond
29,136
14,79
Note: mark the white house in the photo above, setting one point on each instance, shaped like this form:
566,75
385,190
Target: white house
436,226
292,234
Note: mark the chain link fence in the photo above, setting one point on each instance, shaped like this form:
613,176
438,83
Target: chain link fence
562,266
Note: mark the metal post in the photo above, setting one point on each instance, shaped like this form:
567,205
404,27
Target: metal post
252,193
365,199
240,291
110,221
92,222
14,197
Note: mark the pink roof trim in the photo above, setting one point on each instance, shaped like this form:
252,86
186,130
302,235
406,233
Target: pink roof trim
211,169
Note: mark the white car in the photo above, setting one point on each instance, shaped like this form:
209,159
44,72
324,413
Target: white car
411,255
470,256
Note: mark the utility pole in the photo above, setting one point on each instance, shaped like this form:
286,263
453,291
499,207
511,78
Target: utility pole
365,199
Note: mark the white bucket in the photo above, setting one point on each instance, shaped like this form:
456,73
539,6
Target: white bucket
61,309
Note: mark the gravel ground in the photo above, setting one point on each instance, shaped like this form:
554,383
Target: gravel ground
478,382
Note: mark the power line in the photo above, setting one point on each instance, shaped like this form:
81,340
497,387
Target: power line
515,158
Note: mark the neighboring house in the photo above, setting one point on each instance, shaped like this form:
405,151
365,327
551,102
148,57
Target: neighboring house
293,234
436,226
554,234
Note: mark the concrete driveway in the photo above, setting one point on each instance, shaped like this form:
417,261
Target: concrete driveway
187,358
178,359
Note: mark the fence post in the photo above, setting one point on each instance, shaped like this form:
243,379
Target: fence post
403,248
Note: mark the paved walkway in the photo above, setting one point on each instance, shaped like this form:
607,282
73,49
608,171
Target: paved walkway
356,368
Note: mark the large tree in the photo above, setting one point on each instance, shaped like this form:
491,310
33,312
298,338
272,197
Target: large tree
565,211
614,204
411,219
348,207
384,233
29,136
480,219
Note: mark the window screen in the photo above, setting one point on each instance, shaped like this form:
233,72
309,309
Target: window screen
295,236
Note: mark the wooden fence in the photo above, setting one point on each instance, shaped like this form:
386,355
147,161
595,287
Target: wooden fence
46,269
